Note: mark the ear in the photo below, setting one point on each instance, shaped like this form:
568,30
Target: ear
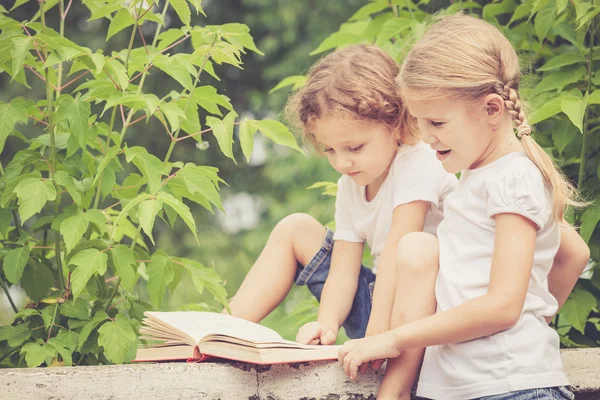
495,108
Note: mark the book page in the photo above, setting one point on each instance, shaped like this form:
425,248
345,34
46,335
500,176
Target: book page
197,325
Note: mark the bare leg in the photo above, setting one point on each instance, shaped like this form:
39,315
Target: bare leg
296,238
418,264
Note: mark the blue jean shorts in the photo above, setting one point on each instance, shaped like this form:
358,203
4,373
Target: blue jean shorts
314,275
551,393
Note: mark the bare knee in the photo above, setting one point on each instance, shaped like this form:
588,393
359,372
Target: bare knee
303,233
418,255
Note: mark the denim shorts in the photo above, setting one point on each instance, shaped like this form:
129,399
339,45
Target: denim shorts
551,393
314,275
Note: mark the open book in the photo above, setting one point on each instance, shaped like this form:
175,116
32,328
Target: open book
195,336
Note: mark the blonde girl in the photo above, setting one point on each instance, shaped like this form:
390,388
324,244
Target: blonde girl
501,231
350,110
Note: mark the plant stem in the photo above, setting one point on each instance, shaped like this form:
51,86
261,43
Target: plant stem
10,300
190,98
61,5
107,145
112,295
114,292
143,78
51,131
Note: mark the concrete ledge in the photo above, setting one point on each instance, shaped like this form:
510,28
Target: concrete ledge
225,381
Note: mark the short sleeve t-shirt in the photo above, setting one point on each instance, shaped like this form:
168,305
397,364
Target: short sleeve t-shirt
527,355
415,174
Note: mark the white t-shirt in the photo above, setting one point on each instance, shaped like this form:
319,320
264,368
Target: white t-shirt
415,174
526,356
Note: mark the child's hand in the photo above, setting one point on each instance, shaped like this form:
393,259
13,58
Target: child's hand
316,333
355,353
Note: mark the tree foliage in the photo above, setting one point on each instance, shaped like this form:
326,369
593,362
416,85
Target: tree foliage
75,240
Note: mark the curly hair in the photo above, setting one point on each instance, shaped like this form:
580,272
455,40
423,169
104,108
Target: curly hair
356,82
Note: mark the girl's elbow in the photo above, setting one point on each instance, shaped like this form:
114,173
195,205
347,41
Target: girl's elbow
507,314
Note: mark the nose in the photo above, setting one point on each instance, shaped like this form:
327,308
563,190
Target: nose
343,163
426,135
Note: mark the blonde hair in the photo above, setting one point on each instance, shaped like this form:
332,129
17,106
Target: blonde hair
468,58
356,82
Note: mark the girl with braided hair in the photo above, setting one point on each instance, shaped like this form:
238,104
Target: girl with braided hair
507,258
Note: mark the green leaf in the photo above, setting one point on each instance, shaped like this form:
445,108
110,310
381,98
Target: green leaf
77,112
561,5
577,308
182,10
337,39
277,132
238,35
574,109
18,3
392,27
491,10
544,20
19,49
563,134
223,132
371,8
191,123
590,219
88,262
120,21
15,335
75,309
33,193
37,280
59,347
173,113
177,67
149,165
73,229
246,133
64,179
560,79
594,97
10,114
147,212
90,326
14,263
36,354
128,207
206,278
521,11
588,16
108,157
208,98
562,60
116,337
197,181
160,274
123,260
296,81
546,111
169,37
118,73
182,210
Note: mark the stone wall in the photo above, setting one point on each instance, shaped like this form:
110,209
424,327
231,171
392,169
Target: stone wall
232,381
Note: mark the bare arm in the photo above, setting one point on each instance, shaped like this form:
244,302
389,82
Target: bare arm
499,309
405,218
572,257
341,284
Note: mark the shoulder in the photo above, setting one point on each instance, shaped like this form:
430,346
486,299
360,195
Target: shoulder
518,186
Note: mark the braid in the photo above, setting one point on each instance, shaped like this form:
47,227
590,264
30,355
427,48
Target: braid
513,106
